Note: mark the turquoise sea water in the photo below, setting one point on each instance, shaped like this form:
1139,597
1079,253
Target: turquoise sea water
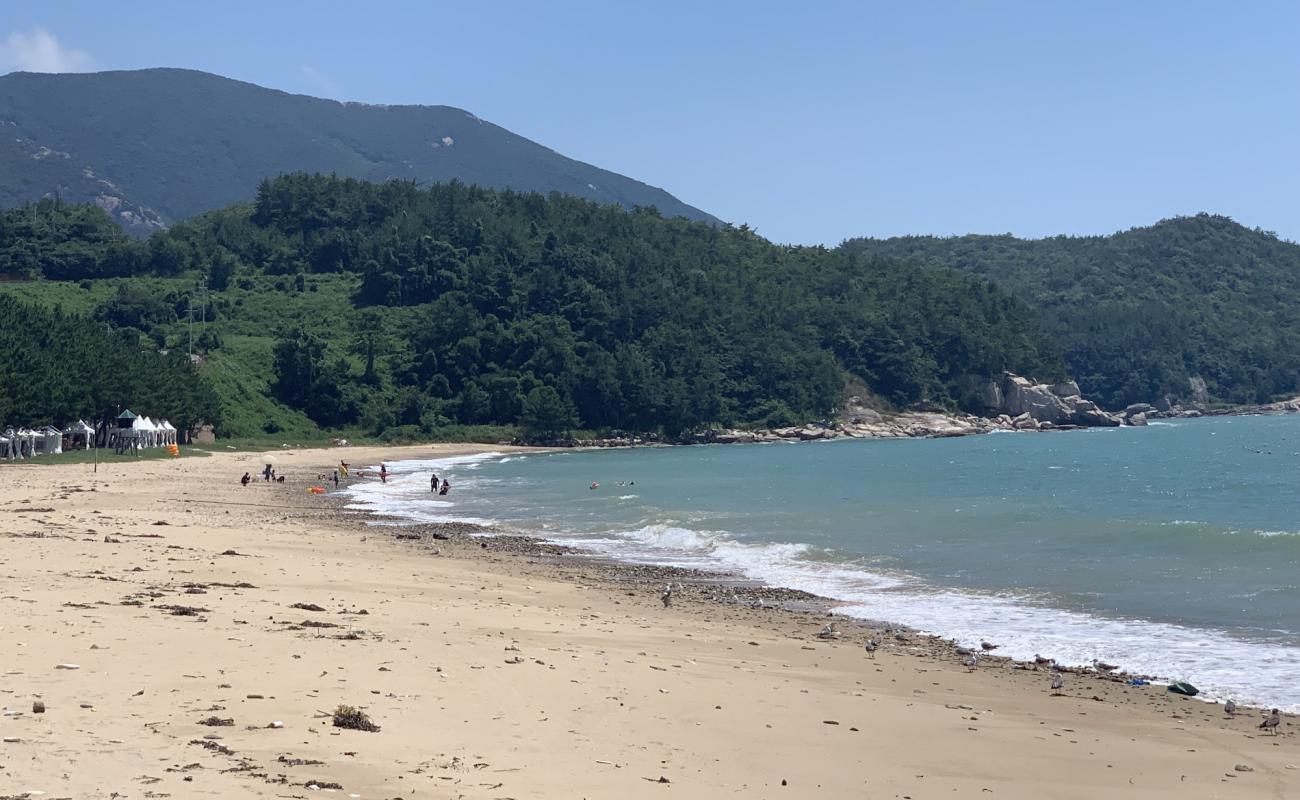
1171,550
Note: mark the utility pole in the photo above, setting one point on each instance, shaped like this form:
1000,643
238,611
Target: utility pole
190,322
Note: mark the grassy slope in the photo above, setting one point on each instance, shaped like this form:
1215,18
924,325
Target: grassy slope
250,315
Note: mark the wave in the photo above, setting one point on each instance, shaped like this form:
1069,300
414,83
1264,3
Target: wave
1023,625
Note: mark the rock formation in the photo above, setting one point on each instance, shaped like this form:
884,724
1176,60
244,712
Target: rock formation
1057,404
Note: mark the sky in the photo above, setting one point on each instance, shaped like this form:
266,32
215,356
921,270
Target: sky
811,122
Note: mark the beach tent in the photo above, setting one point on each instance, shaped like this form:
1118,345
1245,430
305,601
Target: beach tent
48,440
7,446
142,432
149,432
26,438
80,435
169,433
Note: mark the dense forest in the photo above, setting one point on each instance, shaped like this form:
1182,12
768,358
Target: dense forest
390,307
1141,312
60,368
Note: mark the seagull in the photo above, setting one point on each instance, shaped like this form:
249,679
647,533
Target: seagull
1230,708
1271,722
871,648
667,596
988,646
972,662
1102,666
964,651
1040,661
1058,683
829,632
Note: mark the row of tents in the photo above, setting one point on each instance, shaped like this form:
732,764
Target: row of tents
127,432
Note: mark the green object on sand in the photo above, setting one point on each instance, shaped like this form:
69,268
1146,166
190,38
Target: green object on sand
1184,688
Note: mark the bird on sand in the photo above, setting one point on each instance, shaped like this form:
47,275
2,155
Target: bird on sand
870,647
829,631
988,646
1041,661
1102,666
1230,708
963,651
1058,683
1271,722
667,596
972,662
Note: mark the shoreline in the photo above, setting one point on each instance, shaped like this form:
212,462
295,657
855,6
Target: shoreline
702,585
560,676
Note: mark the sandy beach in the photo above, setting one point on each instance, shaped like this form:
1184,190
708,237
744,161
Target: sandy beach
139,602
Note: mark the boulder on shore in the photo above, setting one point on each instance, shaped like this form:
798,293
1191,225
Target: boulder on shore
1060,404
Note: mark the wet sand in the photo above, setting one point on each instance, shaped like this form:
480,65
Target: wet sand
499,669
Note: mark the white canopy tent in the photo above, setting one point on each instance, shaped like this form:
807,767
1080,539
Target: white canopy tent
48,440
25,439
146,432
80,435
168,432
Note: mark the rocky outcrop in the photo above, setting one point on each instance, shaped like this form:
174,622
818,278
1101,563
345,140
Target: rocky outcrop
1055,404
1200,392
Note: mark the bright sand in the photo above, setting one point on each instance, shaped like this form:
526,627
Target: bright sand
611,692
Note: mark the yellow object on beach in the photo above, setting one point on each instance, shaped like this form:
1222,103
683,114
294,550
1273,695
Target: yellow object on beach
175,450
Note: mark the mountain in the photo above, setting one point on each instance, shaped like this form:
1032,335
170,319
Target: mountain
392,309
156,146
1150,312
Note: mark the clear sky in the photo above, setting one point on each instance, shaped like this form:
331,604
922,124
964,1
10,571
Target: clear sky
811,121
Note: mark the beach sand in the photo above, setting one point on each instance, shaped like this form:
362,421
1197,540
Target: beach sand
498,674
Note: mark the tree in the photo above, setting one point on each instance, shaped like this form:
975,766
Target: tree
546,413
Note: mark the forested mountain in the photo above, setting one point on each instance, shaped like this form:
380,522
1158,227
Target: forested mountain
160,145
59,368
1141,312
392,307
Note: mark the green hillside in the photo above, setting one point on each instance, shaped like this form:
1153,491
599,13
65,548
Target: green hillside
390,309
160,145
1141,312
58,368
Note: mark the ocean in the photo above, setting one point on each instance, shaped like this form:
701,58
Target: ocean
1171,550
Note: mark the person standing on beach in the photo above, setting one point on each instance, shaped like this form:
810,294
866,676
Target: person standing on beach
433,482
336,479
383,473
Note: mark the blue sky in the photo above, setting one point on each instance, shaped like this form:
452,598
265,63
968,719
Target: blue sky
812,122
